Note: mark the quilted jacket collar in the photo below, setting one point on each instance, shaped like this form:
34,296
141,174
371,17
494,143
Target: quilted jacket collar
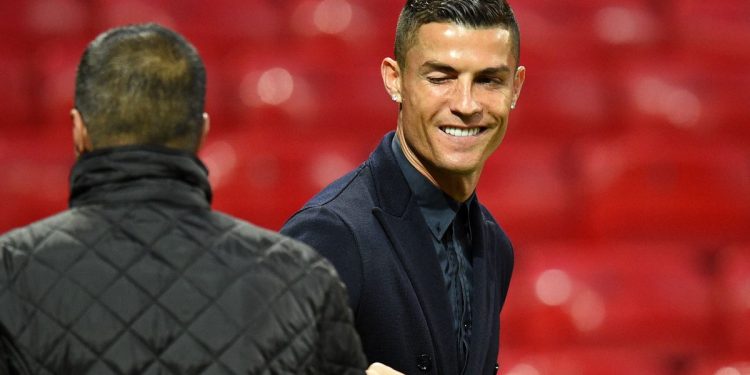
139,173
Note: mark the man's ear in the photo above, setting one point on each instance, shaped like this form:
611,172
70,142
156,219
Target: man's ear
518,79
204,132
81,140
391,73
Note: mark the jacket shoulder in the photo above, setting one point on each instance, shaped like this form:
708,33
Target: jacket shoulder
343,188
27,238
336,222
255,242
282,267
342,206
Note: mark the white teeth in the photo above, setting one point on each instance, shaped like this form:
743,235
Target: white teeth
459,132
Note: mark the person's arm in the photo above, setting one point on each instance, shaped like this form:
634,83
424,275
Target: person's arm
334,239
339,350
12,361
339,347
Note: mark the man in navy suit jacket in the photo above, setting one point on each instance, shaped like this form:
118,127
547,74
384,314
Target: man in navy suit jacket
426,266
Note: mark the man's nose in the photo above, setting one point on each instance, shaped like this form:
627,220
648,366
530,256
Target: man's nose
465,103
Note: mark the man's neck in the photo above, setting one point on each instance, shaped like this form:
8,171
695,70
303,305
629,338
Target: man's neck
458,187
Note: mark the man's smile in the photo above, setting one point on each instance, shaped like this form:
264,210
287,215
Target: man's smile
461,132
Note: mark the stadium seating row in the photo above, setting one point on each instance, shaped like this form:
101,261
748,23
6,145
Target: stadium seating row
623,180
630,187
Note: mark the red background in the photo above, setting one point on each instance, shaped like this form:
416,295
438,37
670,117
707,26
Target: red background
623,181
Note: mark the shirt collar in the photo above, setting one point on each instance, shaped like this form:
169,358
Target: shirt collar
438,209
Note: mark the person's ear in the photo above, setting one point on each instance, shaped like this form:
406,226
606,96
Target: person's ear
391,73
518,79
204,131
81,140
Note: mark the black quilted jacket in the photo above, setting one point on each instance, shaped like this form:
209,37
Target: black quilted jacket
139,276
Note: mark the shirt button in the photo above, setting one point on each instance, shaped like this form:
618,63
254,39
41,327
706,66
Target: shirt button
424,362
467,325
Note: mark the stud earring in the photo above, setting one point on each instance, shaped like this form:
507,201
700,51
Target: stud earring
396,98
513,105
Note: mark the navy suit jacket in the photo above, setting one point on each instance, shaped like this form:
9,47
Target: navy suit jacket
368,224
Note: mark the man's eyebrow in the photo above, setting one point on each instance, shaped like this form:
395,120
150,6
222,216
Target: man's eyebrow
498,70
432,65
438,66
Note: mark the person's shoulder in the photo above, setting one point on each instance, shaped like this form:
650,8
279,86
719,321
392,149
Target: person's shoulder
258,242
20,246
28,237
347,198
352,184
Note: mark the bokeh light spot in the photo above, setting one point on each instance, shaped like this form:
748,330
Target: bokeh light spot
523,369
220,158
587,311
553,287
275,86
333,16
728,371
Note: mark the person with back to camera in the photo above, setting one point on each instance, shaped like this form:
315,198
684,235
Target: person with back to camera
426,266
139,275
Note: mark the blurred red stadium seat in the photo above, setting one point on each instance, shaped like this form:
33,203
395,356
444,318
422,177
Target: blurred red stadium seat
584,361
55,18
11,21
569,30
627,294
564,101
721,365
264,176
235,20
527,187
34,177
718,31
563,96
304,91
681,90
733,300
55,64
666,186
632,126
17,93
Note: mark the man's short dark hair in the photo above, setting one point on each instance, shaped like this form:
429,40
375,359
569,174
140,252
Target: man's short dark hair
141,84
469,13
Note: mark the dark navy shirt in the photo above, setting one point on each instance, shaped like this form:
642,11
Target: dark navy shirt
448,221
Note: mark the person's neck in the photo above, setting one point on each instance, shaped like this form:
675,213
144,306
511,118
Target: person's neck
458,187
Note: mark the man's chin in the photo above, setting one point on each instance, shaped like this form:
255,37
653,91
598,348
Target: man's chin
460,168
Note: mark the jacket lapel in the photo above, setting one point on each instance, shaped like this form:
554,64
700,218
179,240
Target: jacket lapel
399,215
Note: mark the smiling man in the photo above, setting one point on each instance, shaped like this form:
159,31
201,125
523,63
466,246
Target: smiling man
426,265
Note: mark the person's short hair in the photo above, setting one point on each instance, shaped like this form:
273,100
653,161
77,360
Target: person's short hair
141,85
469,13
